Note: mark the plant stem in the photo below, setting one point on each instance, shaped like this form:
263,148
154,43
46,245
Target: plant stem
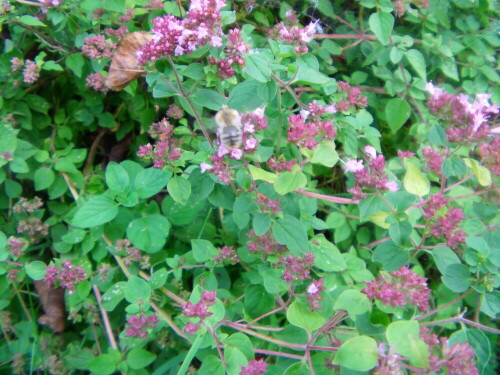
105,319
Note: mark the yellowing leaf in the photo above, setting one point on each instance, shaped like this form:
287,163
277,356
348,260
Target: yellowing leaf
482,174
415,182
260,174
379,219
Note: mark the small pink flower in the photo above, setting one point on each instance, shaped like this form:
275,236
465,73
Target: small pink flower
205,167
353,165
372,153
236,154
251,144
392,186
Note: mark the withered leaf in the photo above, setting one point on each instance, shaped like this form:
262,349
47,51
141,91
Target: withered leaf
124,66
52,300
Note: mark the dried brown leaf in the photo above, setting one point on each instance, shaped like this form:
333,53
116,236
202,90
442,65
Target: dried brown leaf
52,300
124,66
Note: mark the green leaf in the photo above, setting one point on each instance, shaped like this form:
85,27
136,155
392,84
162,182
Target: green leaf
113,296
443,257
390,255
75,62
44,177
327,256
151,181
19,165
209,99
258,66
74,236
149,233
417,61
353,301
381,24
261,224
180,189
490,305
397,112
242,342
158,278
203,250
403,335
117,178
490,73
52,65
326,7
457,278
106,120
245,96
358,353
449,69
415,182
113,5
325,154
97,211
212,365
454,166
288,182
139,358
291,232
235,359
482,174
31,21
299,315
257,300
37,103
371,205
137,290
260,174
273,282
36,270
102,365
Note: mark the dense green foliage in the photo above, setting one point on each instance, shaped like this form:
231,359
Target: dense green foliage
354,222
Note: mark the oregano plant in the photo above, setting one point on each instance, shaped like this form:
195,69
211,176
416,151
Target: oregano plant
249,187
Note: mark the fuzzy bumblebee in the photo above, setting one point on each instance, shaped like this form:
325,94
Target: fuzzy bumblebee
229,128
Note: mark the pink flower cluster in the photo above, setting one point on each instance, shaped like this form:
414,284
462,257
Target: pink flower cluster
467,122
297,268
117,33
16,246
490,155
353,97
138,325
96,47
434,159
267,205
400,288
50,3
388,363
96,82
219,167
307,129
227,254
281,164
265,244
294,35
154,4
403,6
175,112
371,177
172,36
34,228
27,207
30,71
165,149
457,360
128,16
254,367
132,254
198,310
314,297
64,275
234,51
443,221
